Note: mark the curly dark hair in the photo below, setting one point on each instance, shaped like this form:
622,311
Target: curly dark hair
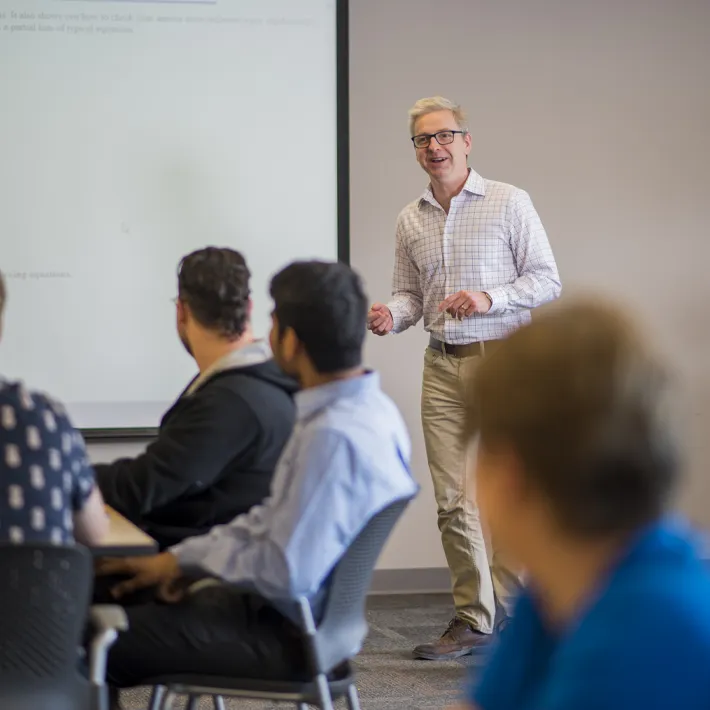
326,306
214,283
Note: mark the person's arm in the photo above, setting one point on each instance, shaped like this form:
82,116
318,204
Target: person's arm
189,455
407,301
91,524
538,278
315,500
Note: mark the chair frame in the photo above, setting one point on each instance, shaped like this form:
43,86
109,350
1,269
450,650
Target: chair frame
320,691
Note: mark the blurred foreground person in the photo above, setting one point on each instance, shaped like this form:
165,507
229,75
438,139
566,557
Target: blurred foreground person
577,466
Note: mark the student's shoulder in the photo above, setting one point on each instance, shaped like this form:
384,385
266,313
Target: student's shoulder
679,591
20,405
653,611
667,569
258,385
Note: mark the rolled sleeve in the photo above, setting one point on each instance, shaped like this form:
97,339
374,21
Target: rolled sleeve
538,279
407,302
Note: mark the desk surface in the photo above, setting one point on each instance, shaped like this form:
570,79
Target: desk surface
124,539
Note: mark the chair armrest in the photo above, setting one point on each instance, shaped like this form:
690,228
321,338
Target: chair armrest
108,616
106,621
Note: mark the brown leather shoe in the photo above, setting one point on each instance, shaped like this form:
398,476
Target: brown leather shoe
459,639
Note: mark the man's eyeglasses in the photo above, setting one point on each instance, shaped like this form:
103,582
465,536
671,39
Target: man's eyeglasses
442,138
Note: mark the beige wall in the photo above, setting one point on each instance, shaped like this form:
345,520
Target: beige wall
601,110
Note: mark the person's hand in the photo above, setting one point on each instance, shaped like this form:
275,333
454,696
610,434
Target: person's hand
379,319
465,303
155,571
172,591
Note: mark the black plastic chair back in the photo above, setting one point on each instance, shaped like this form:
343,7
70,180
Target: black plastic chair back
45,591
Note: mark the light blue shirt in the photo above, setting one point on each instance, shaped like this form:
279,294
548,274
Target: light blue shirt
347,459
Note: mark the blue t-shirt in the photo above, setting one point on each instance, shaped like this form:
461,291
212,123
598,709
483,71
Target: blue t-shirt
643,641
45,474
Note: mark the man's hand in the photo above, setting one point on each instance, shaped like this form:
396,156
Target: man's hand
379,319
159,570
465,303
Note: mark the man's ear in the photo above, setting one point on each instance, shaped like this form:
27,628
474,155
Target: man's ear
519,485
468,143
508,471
290,345
183,312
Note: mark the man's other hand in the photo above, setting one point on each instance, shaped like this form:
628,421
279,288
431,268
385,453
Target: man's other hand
157,570
379,319
465,303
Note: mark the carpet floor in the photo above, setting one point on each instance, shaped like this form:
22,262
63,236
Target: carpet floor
388,678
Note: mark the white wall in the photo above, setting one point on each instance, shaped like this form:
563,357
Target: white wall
601,111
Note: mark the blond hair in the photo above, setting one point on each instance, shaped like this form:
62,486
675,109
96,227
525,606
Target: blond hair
436,103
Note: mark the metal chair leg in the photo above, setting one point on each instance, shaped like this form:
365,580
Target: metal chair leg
193,702
324,696
168,700
353,698
156,697
218,702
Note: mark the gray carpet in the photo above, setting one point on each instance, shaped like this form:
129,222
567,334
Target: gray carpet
387,676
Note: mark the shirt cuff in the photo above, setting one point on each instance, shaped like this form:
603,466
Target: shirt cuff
191,552
499,300
397,317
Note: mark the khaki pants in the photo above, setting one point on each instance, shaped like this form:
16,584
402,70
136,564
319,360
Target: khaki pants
476,584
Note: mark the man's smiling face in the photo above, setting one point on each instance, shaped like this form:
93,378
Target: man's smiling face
443,162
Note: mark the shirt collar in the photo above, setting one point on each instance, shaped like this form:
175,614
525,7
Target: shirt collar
311,400
474,185
253,354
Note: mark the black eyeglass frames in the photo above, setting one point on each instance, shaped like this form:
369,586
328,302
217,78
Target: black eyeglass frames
442,138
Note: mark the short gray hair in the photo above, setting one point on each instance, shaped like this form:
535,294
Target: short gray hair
436,103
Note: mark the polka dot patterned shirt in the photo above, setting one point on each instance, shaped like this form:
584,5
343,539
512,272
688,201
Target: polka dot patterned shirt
45,474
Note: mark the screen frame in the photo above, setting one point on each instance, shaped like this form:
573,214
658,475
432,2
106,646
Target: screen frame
342,52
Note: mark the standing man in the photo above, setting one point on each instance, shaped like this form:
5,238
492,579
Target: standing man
472,258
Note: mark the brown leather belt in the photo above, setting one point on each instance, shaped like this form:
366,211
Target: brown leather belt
468,350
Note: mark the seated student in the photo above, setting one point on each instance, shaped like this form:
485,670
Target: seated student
577,463
47,491
218,444
347,460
